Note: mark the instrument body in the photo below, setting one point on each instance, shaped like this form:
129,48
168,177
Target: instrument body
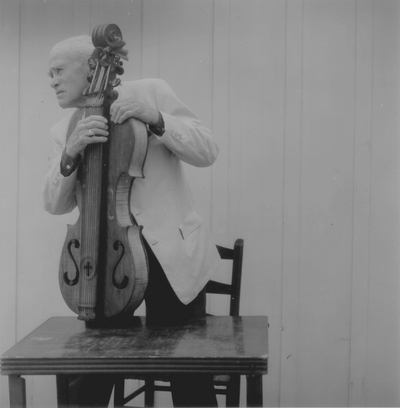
103,266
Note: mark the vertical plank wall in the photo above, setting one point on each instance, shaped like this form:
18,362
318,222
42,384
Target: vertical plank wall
9,74
302,96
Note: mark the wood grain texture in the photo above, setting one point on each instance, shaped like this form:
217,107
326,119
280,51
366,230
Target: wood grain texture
212,344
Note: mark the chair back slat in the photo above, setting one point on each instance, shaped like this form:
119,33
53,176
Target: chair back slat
218,288
225,253
232,289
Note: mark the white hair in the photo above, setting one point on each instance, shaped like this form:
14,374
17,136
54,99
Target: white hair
78,48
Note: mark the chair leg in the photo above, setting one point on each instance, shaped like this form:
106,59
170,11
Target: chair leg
67,390
233,391
149,393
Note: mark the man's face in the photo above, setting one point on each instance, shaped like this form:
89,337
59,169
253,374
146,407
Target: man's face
69,79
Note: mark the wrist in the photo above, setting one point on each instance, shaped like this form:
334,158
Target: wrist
158,127
68,164
71,154
155,118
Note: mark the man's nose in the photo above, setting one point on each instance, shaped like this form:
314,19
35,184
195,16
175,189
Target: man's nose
54,82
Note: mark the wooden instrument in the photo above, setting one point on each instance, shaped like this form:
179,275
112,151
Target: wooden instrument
103,267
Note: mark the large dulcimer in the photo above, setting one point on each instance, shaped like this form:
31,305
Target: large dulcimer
103,267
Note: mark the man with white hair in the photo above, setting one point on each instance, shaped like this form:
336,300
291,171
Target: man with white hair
181,254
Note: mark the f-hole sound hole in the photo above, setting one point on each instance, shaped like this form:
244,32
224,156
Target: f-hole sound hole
72,282
118,246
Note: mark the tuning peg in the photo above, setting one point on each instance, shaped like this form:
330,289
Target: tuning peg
119,70
92,63
113,95
85,91
115,82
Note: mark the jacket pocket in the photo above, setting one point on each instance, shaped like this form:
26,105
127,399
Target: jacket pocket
190,224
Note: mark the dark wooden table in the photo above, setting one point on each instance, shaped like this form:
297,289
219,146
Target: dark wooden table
64,346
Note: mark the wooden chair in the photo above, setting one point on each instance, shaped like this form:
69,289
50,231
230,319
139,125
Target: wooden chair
228,385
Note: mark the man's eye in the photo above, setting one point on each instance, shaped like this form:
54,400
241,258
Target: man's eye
57,72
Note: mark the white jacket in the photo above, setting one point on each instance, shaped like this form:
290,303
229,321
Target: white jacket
161,202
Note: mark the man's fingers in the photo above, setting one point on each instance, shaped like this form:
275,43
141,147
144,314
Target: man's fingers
95,124
96,118
124,116
95,131
119,113
97,139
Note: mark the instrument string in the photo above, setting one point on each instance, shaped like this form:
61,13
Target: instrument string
92,219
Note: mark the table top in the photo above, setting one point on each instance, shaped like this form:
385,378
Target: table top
217,344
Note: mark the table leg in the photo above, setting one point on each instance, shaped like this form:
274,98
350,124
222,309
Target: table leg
17,389
254,397
62,382
233,391
149,393
119,391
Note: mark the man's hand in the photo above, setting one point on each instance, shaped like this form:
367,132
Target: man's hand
92,129
120,111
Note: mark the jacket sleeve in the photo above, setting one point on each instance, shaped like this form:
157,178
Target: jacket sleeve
184,134
58,192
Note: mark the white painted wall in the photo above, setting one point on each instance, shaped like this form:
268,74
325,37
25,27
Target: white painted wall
303,97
